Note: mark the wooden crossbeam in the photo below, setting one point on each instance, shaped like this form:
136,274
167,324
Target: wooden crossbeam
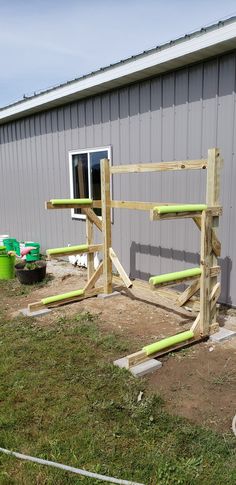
50,206
160,167
154,216
174,282
130,204
32,307
93,248
141,356
128,283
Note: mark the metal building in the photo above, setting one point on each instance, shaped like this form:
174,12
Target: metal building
171,103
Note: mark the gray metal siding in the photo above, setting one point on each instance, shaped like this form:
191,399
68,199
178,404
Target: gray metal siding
175,116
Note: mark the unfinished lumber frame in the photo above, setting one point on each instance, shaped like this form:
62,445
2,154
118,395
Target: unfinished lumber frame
205,278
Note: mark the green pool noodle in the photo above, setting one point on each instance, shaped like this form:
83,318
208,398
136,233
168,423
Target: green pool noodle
52,299
71,201
168,342
167,209
81,248
178,275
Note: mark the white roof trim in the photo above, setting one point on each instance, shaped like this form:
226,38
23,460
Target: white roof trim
199,46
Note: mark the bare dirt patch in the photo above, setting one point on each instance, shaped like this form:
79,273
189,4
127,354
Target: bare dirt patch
198,383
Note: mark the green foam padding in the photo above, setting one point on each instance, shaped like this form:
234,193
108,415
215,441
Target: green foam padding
178,275
167,209
71,201
52,299
168,342
82,248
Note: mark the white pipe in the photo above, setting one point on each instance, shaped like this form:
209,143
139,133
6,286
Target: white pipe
78,471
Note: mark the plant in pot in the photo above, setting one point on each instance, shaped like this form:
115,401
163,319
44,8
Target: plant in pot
30,273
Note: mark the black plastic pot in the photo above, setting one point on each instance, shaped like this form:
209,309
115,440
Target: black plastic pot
31,276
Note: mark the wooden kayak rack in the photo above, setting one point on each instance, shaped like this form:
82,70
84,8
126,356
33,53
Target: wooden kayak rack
203,279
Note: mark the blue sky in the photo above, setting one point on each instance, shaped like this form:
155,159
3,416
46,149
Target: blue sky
45,42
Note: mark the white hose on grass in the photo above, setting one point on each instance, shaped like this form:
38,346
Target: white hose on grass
78,471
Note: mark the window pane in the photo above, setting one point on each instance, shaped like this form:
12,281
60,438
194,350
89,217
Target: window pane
95,158
80,177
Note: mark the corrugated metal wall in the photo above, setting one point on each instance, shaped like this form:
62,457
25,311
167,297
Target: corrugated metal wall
176,116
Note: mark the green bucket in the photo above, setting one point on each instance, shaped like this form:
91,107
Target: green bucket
16,246
9,243
3,250
34,254
7,267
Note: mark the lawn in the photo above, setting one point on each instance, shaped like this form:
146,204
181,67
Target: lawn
62,399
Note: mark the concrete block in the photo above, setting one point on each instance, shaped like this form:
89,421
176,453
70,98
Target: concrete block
122,363
223,334
108,295
146,367
139,370
38,313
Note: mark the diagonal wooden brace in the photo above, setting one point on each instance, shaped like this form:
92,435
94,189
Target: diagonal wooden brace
92,217
96,275
128,283
216,244
188,293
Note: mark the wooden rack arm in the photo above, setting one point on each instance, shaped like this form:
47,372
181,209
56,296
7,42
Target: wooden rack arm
160,167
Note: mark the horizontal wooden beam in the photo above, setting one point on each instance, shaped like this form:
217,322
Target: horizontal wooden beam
160,167
49,205
130,204
141,356
32,307
155,216
141,289
93,248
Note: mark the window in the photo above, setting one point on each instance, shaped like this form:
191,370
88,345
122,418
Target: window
85,176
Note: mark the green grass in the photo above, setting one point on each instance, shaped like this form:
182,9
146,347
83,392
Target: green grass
61,399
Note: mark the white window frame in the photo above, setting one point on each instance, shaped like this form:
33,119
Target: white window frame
77,152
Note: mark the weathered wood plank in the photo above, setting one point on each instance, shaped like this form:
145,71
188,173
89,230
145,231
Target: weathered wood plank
93,248
154,216
160,167
106,224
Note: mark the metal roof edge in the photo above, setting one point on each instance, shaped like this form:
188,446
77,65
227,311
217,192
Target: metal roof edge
208,41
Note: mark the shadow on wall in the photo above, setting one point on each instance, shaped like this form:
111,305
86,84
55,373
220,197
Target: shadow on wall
178,255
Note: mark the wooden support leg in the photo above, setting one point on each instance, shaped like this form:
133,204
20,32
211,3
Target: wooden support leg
206,249
106,224
89,240
213,199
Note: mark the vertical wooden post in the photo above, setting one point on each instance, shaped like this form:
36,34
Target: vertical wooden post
106,223
89,240
205,262
208,258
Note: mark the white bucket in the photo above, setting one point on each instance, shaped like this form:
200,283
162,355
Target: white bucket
2,237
